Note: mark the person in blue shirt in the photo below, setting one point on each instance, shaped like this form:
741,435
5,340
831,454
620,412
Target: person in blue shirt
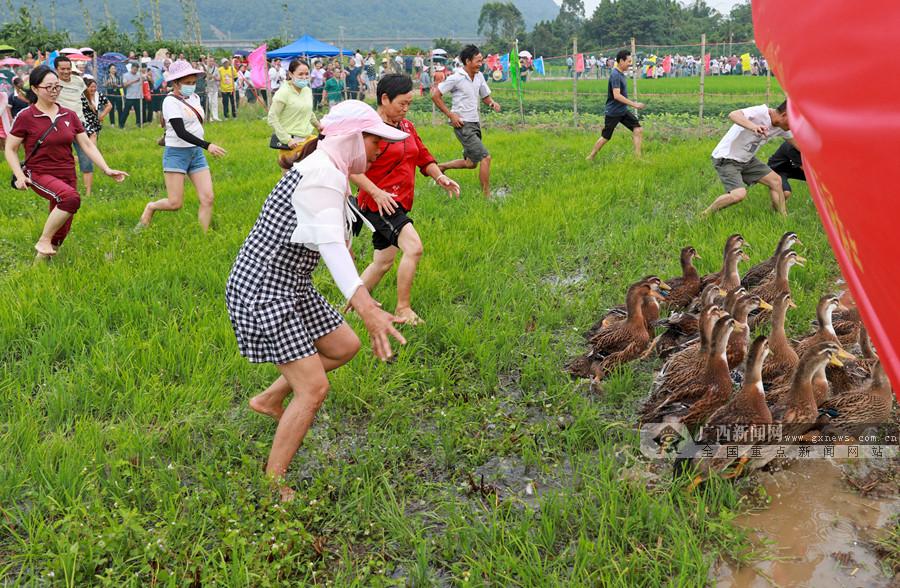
617,104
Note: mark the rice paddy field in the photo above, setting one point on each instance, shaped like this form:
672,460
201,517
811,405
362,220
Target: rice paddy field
128,456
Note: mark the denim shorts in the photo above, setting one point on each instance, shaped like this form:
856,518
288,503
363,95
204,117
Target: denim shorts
84,162
184,160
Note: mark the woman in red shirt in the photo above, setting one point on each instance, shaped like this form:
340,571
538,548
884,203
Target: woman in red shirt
386,193
50,169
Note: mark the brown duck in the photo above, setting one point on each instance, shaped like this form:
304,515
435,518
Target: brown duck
825,332
871,404
762,270
686,287
740,339
782,358
771,289
735,241
649,308
854,373
682,328
695,404
799,406
677,380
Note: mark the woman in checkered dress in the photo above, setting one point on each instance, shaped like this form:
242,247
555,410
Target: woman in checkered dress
277,314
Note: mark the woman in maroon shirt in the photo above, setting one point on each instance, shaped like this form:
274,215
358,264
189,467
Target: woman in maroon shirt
386,193
50,171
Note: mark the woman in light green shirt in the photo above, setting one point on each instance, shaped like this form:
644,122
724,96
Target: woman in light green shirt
291,115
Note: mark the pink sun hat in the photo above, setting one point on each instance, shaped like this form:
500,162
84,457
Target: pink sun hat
180,69
354,116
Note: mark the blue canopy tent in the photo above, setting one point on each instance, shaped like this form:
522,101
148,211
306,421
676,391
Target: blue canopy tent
306,45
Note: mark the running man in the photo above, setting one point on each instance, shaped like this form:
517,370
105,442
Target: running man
617,104
467,86
735,156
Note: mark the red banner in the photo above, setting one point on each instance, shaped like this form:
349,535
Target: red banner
667,64
706,63
579,62
849,141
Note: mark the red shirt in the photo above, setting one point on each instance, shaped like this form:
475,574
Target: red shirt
55,155
395,169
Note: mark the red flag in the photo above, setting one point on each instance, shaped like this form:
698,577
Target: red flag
845,157
259,69
706,63
579,62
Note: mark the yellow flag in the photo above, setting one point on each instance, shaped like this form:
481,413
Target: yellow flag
745,62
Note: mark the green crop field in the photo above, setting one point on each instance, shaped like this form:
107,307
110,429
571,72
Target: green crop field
128,456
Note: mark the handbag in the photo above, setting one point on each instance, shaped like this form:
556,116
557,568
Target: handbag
40,141
162,140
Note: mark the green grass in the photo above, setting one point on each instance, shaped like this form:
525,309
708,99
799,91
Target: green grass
128,456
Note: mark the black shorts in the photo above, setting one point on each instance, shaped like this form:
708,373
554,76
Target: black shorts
388,227
628,120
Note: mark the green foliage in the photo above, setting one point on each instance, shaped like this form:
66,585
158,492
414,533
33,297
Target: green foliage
502,23
109,38
28,34
451,46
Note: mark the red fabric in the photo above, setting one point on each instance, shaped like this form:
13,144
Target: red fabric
579,62
667,64
55,155
395,169
706,63
847,134
63,194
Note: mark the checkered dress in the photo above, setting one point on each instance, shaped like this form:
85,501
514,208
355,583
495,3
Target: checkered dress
276,312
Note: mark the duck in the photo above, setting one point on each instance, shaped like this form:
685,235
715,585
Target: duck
762,270
731,278
693,403
621,341
825,332
735,241
649,307
685,287
800,407
747,407
856,371
782,358
867,405
770,289
677,379
681,328
739,341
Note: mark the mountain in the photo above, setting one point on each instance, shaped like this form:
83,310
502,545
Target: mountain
288,19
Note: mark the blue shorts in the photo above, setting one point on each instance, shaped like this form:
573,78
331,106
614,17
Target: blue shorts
184,160
84,162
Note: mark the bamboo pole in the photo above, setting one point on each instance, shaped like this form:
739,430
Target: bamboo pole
768,83
574,81
635,68
702,73
519,85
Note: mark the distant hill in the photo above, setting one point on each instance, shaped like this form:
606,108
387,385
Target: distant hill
262,19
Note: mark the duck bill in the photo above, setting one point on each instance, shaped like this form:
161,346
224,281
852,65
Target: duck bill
833,360
765,305
801,260
792,304
722,291
739,328
664,286
745,257
697,256
845,355
798,242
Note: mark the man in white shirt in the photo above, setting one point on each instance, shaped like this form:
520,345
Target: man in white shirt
735,156
358,58
467,86
276,75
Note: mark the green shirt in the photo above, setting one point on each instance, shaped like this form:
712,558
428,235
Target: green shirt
291,113
334,87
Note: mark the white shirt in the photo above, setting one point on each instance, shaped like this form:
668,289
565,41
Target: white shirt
358,59
320,202
741,144
466,93
172,107
276,76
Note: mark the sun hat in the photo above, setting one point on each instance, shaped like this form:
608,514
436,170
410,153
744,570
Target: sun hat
180,69
224,60
86,50
354,116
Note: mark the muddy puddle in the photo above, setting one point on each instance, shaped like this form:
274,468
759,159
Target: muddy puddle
814,531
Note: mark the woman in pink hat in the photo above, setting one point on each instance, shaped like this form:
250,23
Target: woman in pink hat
183,154
276,312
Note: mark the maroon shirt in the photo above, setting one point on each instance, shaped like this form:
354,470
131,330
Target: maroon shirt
55,155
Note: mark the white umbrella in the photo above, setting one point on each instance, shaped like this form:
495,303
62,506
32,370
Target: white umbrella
389,50
525,54
438,52
68,50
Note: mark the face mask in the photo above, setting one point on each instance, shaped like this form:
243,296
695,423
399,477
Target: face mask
188,90
301,83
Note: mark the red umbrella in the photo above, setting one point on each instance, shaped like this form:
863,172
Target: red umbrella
78,57
11,62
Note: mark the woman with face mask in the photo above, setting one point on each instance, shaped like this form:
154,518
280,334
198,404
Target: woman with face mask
291,115
183,155
277,315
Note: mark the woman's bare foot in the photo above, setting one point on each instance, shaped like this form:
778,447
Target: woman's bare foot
287,494
263,405
146,216
408,317
44,248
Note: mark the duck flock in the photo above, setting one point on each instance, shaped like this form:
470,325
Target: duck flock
713,374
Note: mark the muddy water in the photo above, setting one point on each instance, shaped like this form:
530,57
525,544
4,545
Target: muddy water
813,518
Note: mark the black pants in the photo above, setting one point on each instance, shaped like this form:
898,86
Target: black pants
131,104
228,98
317,97
787,162
202,100
116,110
788,172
